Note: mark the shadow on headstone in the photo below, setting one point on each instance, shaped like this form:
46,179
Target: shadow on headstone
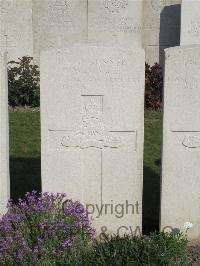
151,201
170,25
25,176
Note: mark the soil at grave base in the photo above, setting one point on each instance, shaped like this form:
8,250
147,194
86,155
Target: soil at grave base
194,255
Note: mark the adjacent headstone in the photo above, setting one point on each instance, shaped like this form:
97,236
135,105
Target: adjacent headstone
57,23
161,27
16,29
181,140
153,24
4,136
190,22
92,111
116,22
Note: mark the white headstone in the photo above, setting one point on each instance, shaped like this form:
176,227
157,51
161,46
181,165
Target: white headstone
53,23
115,22
92,109
57,23
16,29
161,27
190,22
181,140
4,136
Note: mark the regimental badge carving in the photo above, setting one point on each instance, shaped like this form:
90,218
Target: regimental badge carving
192,141
158,5
59,10
63,3
115,6
68,3
92,131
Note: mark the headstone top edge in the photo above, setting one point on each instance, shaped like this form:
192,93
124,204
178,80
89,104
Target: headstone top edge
183,47
189,1
122,48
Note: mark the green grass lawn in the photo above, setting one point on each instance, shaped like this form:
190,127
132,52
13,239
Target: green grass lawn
152,163
25,167
26,171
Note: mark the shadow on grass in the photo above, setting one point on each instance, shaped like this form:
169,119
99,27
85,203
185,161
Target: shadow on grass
151,201
25,175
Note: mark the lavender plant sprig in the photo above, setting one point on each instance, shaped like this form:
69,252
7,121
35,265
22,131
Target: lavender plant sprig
38,227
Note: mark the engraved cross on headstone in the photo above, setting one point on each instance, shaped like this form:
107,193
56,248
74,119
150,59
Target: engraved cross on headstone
93,132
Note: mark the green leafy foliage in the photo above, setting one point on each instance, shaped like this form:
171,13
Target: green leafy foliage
159,249
43,225
23,83
153,87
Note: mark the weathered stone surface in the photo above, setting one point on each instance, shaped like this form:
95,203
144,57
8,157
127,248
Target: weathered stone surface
161,27
190,22
181,140
57,23
4,135
116,22
153,24
92,104
16,28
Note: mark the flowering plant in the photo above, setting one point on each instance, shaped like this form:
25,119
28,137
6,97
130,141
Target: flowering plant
41,227
153,87
188,225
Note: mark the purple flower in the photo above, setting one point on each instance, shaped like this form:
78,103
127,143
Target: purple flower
41,224
35,250
60,224
20,255
67,244
93,234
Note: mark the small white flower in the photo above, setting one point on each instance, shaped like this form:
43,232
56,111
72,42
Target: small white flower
188,225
